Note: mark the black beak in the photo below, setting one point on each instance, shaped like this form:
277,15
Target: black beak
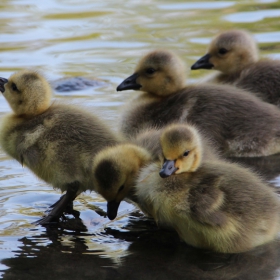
203,63
3,81
129,83
168,168
112,209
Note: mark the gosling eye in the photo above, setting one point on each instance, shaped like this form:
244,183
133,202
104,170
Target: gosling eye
150,71
186,153
14,87
223,51
121,188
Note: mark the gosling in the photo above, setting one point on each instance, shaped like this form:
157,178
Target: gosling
234,54
56,142
216,205
239,124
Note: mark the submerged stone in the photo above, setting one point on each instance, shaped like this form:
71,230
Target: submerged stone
75,84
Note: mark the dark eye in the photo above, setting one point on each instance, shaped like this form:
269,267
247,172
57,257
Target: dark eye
223,51
150,71
14,87
121,188
186,153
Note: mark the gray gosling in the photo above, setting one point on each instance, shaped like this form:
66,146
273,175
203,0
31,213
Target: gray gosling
212,204
57,142
239,124
117,168
234,54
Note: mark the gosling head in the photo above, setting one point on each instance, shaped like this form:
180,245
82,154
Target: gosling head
229,52
27,93
160,73
182,150
115,171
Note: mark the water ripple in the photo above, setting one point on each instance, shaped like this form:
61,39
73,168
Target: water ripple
253,16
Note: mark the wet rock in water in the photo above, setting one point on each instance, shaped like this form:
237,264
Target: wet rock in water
75,84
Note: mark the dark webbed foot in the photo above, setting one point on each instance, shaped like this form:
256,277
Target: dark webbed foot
69,208
63,205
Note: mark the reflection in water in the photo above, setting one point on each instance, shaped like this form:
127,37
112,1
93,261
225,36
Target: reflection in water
178,261
152,254
57,261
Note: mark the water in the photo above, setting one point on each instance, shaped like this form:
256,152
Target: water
101,41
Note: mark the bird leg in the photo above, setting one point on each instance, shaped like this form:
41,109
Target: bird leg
64,204
69,207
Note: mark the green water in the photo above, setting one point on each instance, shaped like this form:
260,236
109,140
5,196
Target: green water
103,40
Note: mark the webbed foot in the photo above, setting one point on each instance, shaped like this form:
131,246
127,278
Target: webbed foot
63,205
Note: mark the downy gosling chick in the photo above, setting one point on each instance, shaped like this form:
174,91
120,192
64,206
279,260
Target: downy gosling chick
212,204
239,124
234,54
57,142
117,168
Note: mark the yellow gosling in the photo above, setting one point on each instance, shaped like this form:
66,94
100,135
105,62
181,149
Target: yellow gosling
212,204
57,142
115,171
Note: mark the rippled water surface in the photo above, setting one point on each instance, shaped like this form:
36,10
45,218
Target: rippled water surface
101,41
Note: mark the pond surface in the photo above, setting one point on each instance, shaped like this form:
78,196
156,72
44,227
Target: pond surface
101,41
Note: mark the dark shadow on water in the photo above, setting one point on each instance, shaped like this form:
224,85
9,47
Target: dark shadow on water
151,254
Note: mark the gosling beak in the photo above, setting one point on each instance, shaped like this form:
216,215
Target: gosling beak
129,83
203,63
3,81
112,209
168,168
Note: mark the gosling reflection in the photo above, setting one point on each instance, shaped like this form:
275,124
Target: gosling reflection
57,261
153,253
162,256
